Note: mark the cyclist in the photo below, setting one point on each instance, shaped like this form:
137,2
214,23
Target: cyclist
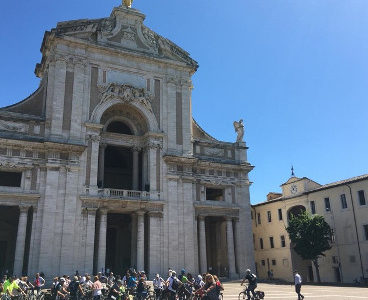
97,288
158,286
38,283
115,290
252,280
172,285
61,289
74,288
10,285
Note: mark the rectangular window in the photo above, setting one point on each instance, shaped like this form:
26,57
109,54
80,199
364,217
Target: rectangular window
344,204
271,242
263,262
361,197
274,262
214,194
269,217
280,214
283,243
313,207
327,204
365,227
261,243
11,179
259,218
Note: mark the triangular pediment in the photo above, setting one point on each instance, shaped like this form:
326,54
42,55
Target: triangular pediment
125,30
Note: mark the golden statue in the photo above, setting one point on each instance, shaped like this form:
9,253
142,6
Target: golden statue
128,3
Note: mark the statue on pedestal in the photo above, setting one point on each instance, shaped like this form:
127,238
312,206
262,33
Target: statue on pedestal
239,129
128,3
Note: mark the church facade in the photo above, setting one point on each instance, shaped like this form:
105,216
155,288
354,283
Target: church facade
104,168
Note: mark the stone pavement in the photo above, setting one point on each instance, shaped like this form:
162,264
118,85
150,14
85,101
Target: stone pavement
274,291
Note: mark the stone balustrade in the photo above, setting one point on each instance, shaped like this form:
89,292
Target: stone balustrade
127,194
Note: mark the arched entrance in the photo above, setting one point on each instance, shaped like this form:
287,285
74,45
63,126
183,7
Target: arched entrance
9,217
296,211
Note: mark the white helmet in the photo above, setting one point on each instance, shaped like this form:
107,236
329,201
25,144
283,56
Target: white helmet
247,271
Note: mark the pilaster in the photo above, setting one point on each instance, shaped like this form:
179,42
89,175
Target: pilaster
230,247
90,240
77,103
140,240
101,256
21,240
202,245
58,96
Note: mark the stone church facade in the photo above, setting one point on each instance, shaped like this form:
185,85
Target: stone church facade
103,167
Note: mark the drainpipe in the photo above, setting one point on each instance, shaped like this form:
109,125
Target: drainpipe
356,231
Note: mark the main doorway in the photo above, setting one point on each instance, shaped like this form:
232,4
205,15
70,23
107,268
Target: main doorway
216,245
118,242
9,216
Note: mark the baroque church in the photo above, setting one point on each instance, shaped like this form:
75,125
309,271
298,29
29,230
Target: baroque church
104,168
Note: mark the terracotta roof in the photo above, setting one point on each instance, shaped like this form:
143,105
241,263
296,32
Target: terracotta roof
341,182
323,187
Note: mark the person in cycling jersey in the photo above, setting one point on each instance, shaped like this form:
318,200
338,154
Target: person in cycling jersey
10,285
252,280
158,285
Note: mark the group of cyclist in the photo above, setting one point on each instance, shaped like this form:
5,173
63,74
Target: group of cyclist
133,285
10,286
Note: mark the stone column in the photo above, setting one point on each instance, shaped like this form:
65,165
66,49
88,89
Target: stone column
230,247
94,162
202,245
144,169
152,168
154,247
140,240
135,168
101,165
90,240
93,137
133,249
21,240
101,258
32,250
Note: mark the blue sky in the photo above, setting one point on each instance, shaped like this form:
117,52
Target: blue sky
295,71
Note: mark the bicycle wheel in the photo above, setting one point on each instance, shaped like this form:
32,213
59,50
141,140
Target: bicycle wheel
242,296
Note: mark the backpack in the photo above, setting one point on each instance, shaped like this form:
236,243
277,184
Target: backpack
175,284
253,279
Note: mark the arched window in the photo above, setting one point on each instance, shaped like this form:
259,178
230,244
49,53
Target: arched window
119,127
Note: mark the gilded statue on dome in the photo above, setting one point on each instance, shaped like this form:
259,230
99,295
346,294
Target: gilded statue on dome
128,3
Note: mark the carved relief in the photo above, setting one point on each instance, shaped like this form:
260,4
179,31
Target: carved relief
8,165
126,94
11,126
214,152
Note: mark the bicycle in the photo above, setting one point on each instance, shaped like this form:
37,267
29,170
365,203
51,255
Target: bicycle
259,295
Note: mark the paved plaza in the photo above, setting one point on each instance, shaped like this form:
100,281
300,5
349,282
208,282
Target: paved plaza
273,291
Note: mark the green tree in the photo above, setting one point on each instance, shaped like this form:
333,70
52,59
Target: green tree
310,237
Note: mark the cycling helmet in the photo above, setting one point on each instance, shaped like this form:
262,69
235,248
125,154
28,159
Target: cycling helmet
183,271
247,271
199,277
